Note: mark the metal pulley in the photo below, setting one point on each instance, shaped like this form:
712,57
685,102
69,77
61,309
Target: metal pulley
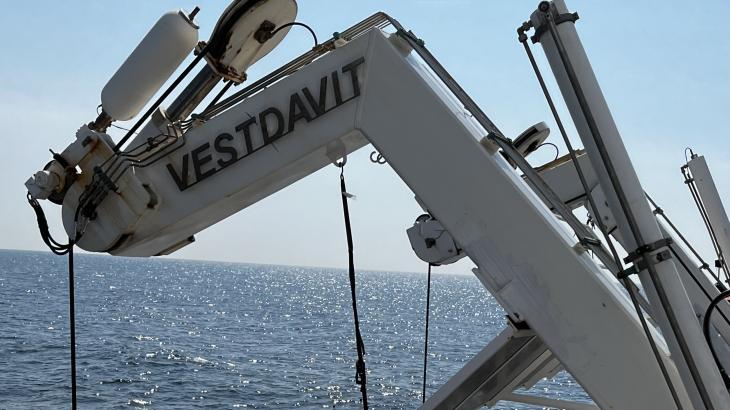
245,33
432,243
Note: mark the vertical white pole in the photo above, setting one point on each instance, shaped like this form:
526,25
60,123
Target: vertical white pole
671,307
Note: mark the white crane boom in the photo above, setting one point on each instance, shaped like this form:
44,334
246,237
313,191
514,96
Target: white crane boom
178,177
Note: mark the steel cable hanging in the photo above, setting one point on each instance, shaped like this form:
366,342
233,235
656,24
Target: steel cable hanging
61,249
626,281
425,338
72,321
360,371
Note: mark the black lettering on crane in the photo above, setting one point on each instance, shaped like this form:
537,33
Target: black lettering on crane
336,88
182,180
297,111
199,161
269,136
225,149
246,128
319,107
352,69
272,125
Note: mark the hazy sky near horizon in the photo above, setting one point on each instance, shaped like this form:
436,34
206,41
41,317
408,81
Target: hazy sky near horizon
663,66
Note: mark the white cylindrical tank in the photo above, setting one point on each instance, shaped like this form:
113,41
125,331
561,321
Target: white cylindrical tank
154,60
713,203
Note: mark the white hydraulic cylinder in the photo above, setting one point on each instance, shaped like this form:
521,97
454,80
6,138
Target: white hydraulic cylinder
712,202
671,306
154,60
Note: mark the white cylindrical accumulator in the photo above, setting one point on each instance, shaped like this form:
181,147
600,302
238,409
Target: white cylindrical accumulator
154,60
713,203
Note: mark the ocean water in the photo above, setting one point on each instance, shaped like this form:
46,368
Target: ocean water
170,334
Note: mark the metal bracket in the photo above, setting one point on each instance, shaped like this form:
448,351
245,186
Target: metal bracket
521,328
644,249
558,18
639,257
496,137
589,242
410,34
628,272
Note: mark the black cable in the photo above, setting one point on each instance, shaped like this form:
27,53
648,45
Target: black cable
557,150
706,329
360,372
594,208
296,23
72,321
425,339
98,111
218,96
55,247
696,281
61,249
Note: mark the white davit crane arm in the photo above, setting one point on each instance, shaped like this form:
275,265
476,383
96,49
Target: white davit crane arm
178,177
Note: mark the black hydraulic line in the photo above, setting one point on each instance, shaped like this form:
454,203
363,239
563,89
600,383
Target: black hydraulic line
596,213
53,245
706,330
544,144
190,97
297,23
675,254
219,95
162,97
623,202
61,249
566,139
696,281
360,371
425,339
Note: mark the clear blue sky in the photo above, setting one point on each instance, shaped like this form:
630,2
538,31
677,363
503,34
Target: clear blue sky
663,66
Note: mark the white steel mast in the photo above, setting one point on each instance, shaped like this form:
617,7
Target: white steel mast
647,249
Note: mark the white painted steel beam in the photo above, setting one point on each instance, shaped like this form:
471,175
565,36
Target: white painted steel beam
563,178
524,256
495,371
548,402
